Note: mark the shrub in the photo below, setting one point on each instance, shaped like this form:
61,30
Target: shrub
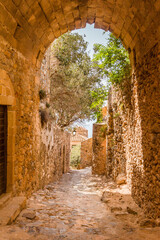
47,105
42,94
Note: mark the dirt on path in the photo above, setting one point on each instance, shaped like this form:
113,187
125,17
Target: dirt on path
72,209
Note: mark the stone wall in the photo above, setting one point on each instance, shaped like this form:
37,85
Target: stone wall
20,85
54,153
133,133
99,149
119,134
124,135
146,171
86,153
23,119
55,143
45,74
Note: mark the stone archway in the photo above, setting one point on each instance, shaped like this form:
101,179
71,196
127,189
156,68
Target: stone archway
27,29
33,25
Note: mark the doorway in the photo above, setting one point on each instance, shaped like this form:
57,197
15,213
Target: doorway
3,149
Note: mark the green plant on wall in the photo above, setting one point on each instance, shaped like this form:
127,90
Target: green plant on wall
42,94
103,131
116,115
47,105
121,106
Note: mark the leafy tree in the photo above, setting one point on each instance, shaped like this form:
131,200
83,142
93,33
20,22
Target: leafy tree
99,95
113,60
74,81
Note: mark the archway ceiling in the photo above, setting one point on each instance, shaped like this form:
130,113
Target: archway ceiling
31,25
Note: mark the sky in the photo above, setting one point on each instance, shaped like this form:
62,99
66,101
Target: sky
92,35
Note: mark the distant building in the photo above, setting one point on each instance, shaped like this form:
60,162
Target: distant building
79,135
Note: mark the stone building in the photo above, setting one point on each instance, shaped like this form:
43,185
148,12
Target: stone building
27,28
79,135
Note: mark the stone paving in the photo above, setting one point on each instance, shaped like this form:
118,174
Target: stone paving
72,209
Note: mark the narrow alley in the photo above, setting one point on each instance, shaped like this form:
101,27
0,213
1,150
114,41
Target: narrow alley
72,208
54,79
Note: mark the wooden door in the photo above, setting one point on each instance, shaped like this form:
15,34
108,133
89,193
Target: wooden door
3,148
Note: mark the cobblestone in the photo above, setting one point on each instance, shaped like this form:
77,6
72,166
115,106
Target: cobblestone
72,209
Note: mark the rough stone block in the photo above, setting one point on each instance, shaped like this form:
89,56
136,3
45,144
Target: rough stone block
12,209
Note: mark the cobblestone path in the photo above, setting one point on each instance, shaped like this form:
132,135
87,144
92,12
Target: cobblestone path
72,209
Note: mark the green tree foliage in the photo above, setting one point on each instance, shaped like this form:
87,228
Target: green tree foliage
75,156
99,95
75,83
113,60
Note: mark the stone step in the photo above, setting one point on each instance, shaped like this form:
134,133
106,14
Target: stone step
4,198
11,210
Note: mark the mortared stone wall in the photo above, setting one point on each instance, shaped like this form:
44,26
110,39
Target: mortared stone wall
86,153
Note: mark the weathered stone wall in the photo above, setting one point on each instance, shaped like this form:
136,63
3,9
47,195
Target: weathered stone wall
86,153
118,134
124,146
133,133
20,92
55,143
45,74
99,149
146,172
24,121
54,153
